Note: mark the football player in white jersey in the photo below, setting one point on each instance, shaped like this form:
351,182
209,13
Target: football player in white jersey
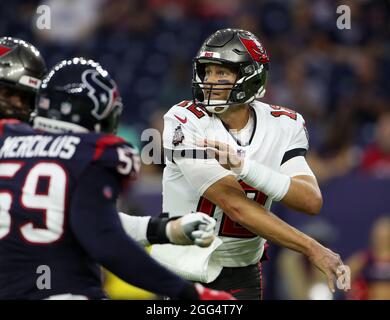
257,156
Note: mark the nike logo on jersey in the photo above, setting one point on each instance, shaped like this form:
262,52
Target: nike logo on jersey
181,119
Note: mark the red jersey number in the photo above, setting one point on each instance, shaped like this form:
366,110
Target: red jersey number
229,228
282,111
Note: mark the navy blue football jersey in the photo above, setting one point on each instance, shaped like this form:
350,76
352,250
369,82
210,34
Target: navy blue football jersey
38,174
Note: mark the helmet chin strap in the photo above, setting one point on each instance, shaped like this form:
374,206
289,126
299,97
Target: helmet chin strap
57,126
217,106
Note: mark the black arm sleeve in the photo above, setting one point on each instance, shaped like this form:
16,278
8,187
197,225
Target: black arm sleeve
156,230
96,225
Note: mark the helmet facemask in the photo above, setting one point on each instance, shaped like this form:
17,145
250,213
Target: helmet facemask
249,84
21,70
15,103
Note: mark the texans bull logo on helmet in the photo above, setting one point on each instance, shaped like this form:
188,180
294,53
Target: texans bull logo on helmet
100,93
81,94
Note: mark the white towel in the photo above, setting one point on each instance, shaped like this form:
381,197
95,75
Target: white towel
191,262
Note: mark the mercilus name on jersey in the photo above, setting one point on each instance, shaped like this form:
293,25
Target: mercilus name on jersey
39,146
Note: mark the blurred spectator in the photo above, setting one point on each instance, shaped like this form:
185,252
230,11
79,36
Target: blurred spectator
337,165
171,9
376,157
176,87
72,21
370,268
298,279
214,9
129,16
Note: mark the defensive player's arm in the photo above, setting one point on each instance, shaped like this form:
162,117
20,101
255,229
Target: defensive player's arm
196,228
96,225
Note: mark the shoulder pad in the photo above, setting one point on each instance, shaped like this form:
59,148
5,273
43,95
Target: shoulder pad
279,112
5,122
116,154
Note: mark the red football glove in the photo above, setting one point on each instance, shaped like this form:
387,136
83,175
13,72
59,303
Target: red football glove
210,294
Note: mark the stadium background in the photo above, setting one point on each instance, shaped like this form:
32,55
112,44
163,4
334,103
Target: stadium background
338,79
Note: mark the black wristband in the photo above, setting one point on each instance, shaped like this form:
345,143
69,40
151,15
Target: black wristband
156,232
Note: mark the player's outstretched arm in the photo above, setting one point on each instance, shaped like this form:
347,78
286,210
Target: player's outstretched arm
229,196
96,225
191,229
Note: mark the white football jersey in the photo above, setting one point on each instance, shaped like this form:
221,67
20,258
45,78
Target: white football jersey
279,134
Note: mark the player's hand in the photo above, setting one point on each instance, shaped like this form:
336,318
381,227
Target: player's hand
193,228
330,264
210,294
226,155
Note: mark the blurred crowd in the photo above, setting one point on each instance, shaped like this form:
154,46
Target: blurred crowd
369,267
338,79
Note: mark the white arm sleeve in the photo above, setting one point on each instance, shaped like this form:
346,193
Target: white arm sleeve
296,166
135,227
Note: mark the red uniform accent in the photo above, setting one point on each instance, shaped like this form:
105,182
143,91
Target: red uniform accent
33,81
4,50
234,229
3,122
106,141
196,110
229,228
255,49
183,103
192,107
210,294
283,112
233,291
